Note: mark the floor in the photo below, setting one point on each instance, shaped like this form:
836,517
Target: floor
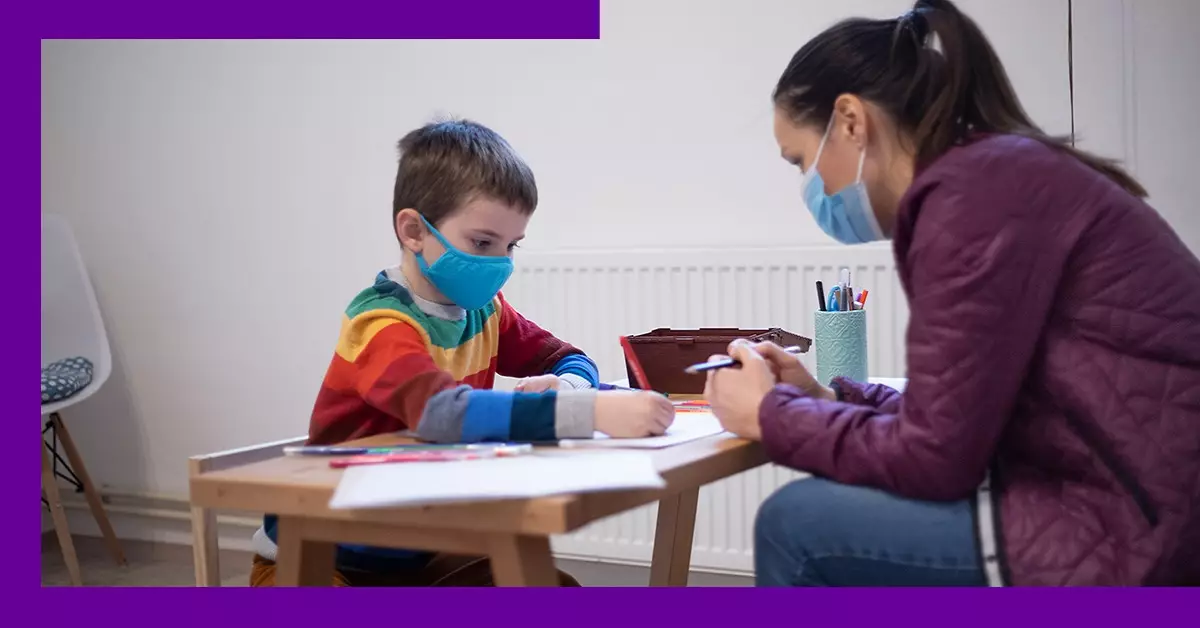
164,565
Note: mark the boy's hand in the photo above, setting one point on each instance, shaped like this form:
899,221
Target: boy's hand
540,383
633,413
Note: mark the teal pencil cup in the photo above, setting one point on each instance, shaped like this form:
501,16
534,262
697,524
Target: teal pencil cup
840,340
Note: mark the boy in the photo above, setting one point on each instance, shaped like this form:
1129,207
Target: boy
420,349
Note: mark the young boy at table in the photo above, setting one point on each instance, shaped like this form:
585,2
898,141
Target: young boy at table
420,349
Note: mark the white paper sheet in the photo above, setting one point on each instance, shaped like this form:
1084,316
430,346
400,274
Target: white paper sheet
688,426
520,477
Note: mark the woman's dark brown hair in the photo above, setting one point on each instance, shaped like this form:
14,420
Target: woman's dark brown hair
937,95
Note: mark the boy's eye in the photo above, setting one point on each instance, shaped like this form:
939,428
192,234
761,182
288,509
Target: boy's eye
514,246
482,244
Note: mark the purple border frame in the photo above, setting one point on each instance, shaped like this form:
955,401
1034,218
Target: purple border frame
27,24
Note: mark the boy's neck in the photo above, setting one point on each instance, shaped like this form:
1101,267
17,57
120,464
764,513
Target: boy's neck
418,284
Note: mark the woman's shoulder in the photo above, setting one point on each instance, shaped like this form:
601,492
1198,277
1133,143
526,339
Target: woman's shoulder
1013,176
998,158
992,174
996,184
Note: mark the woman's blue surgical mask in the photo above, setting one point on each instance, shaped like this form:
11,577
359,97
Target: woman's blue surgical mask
845,215
470,281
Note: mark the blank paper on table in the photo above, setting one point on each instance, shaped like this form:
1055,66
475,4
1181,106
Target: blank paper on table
520,477
688,426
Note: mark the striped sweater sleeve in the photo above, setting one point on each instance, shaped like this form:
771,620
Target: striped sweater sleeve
392,372
527,350
466,415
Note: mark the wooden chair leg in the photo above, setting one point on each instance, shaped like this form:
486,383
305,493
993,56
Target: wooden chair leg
522,561
205,552
89,491
50,487
672,558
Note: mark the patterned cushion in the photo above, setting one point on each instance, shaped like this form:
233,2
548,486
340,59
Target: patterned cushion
64,378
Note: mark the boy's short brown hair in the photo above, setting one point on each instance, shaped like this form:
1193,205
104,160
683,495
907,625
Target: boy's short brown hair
444,165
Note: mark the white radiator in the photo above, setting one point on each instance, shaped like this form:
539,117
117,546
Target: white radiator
592,298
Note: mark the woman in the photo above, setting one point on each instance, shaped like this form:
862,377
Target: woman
1049,433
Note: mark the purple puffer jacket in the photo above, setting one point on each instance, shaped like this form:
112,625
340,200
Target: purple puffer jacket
1053,373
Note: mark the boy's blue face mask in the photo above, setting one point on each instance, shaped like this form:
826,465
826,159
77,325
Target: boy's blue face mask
845,215
470,281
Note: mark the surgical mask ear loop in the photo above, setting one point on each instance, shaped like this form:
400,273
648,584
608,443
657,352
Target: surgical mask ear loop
862,159
821,146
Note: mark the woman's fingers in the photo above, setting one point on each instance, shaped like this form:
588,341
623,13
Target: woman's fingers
744,352
770,350
775,354
741,349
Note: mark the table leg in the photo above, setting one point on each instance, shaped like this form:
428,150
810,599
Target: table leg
522,561
206,555
301,562
672,557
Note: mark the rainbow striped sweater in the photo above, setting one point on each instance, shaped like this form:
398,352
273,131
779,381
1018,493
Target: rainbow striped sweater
405,363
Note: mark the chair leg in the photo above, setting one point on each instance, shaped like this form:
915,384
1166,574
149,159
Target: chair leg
50,487
89,491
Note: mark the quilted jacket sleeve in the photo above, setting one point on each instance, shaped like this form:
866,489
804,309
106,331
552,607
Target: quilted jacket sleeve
982,276
882,398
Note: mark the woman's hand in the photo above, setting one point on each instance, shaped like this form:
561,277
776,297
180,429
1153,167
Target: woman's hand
736,393
789,370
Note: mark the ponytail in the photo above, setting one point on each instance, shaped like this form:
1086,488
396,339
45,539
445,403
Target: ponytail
933,70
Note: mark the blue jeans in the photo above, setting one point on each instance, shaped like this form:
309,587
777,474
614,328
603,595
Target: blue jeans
815,532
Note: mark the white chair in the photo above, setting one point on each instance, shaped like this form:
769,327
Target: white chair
71,327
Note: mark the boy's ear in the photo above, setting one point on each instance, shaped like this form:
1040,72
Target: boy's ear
410,230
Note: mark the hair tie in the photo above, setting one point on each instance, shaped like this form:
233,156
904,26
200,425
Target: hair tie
916,21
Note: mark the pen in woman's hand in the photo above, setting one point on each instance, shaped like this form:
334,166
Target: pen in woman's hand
726,363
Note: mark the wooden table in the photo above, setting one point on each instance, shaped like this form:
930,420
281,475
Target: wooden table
515,534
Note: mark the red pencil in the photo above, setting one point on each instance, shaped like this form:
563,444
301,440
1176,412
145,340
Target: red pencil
631,358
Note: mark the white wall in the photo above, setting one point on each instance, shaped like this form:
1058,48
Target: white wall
230,197
1137,85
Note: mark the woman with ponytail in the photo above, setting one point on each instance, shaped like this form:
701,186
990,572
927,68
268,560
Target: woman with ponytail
1049,433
